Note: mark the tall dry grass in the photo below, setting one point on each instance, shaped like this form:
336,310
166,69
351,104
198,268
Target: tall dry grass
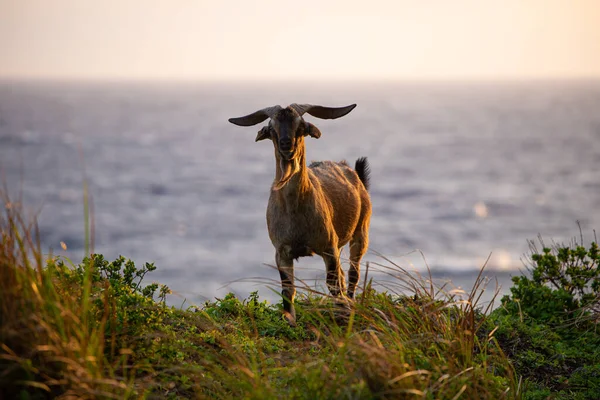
49,344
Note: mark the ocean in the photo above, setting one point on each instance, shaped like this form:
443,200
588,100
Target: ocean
461,172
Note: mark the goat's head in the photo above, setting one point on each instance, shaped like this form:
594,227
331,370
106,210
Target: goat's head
287,129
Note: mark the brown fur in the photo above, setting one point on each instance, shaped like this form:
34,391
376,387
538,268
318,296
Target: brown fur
313,210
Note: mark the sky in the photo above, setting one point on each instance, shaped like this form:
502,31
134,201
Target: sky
310,39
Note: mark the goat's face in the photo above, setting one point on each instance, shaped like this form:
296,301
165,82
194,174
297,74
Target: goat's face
287,130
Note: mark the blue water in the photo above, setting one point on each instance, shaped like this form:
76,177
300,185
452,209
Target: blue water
459,171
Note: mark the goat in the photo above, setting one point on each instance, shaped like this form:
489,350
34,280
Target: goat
316,209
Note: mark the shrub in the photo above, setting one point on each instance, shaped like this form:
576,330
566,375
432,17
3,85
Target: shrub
548,324
564,283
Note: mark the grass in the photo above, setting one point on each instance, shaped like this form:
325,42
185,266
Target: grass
95,330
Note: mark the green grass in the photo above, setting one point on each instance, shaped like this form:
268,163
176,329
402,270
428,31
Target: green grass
95,329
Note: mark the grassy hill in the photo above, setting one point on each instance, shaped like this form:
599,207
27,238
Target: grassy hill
96,329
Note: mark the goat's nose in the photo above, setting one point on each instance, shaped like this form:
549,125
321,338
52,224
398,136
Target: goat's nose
285,144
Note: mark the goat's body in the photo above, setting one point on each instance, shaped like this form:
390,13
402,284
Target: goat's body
334,198
321,209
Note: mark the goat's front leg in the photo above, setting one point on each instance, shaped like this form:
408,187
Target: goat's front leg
285,265
335,276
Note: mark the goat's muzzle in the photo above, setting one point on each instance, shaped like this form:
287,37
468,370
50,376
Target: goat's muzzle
285,144
286,148
287,155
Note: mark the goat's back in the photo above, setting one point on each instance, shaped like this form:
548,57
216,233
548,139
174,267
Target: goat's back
344,190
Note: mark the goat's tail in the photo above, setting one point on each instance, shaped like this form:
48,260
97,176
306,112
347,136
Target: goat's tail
363,171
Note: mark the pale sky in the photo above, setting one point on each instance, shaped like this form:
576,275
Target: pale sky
310,39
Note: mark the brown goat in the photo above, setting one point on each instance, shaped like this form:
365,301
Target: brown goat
314,210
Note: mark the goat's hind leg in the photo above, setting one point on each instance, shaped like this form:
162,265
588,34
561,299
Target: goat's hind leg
337,285
358,248
285,265
335,276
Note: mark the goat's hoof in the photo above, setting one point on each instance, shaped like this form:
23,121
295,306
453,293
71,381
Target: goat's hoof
290,317
342,301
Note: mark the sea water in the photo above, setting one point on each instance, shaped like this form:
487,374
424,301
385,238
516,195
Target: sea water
461,173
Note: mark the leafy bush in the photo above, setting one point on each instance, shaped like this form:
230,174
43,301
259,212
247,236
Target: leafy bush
548,324
564,283
118,286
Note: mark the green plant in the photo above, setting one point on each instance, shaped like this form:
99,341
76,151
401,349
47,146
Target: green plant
564,283
122,275
548,324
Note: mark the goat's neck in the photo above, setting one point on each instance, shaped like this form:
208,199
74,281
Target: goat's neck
299,184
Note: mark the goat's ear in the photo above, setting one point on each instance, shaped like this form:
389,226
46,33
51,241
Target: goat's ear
310,129
263,134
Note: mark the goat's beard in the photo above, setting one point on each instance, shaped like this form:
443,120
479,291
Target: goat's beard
288,169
